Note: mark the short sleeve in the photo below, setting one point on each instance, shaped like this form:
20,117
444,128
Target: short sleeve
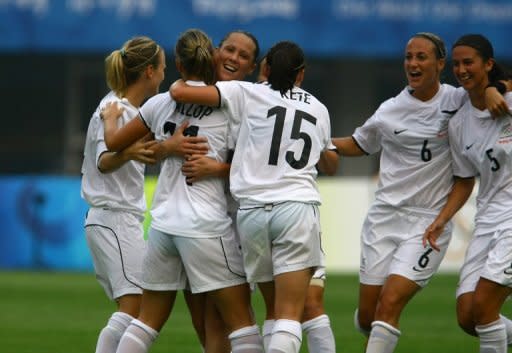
461,165
232,102
368,136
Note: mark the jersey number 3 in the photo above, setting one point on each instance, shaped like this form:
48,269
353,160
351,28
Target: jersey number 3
280,113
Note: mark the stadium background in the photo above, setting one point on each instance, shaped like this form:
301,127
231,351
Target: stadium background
51,64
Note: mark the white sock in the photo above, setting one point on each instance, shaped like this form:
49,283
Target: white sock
111,334
365,332
493,337
319,334
286,337
246,340
268,326
508,327
383,338
137,338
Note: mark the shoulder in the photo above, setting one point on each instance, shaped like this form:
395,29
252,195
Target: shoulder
456,122
109,98
457,94
159,98
508,98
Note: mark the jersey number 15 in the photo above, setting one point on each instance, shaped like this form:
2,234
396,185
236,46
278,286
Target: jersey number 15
280,113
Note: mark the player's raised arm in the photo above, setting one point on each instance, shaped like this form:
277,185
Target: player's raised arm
205,95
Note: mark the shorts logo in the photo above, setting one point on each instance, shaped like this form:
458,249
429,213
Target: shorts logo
397,131
469,146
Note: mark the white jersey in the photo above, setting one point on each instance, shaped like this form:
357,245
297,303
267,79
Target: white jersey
122,189
482,146
198,210
279,142
415,163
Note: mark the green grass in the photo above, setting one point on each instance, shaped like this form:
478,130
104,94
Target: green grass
63,312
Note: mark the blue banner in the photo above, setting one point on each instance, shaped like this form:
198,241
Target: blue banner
42,224
377,28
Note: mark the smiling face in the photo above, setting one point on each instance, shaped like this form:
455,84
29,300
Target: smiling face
470,69
236,57
422,67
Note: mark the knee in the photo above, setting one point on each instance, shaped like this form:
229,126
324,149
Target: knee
482,311
199,327
466,321
313,307
363,320
388,305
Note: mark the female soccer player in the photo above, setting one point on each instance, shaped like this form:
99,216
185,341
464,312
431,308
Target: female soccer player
278,217
113,185
415,183
315,322
482,146
191,238
236,59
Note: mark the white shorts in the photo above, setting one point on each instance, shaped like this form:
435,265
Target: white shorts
391,243
279,238
207,263
116,242
489,256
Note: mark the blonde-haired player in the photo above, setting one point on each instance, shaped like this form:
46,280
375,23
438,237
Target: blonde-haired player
113,185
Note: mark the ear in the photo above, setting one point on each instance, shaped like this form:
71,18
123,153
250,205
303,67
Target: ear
441,64
489,65
179,67
253,67
300,77
149,71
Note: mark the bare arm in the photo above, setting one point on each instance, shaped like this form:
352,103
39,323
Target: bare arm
180,145
328,163
117,139
198,167
347,146
461,190
496,104
139,151
205,95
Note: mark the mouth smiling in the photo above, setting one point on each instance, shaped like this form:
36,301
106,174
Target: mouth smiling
230,68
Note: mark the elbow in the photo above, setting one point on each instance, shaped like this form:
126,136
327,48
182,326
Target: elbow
329,167
176,93
113,145
331,170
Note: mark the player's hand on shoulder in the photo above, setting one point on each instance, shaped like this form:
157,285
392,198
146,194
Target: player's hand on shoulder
496,103
112,110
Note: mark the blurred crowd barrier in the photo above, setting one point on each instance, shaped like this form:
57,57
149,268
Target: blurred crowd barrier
43,218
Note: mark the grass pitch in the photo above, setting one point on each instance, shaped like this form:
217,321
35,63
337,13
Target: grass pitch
64,312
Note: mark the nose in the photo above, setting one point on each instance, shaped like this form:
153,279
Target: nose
233,56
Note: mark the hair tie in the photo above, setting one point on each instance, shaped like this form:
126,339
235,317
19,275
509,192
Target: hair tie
123,52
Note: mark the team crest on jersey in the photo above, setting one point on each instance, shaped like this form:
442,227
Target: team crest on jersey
505,134
443,128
